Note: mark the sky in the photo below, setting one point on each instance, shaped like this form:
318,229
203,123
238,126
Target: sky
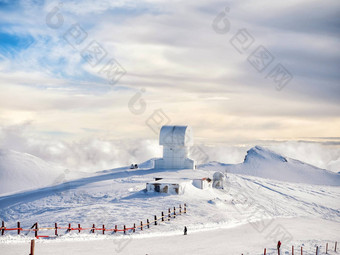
87,84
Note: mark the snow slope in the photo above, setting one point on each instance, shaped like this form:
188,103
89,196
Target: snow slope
264,163
251,207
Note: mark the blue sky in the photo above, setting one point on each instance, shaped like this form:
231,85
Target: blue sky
172,59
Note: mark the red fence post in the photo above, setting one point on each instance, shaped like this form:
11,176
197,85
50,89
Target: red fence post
292,249
56,229
3,228
155,220
326,248
32,247
115,229
69,227
93,227
265,251
36,229
141,225
103,229
78,228
18,227
134,227
162,216
301,251
124,229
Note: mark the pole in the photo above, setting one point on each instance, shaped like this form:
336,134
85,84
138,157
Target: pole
93,227
335,246
292,249
326,248
162,216
301,251
115,229
56,229
265,251
3,228
134,227
78,228
36,229
185,208
316,252
69,227
180,209
124,229
103,229
18,227
148,223
32,247
169,214
155,220
174,212
141,225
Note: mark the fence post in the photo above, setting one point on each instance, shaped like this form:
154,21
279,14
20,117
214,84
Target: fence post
141,225
316,252
292,249
115,229
93,227
36,229
3,228
56,229
185,208
32,247
103,229
155,220
326,248
69,227
180,209
162,216
18,227
134,227
174,212
265,251
301,251
124,229
148,223
169,215
335,246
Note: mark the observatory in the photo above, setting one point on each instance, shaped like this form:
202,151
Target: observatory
176,141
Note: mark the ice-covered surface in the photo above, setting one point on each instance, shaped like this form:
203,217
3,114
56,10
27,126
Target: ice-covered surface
264,163
250,208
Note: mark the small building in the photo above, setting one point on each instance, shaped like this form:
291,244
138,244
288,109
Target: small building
168,186
202,183
175,141
219,180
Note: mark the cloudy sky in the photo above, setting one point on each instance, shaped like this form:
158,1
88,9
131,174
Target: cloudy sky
90,82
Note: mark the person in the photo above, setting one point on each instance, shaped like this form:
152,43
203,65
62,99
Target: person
185,230
278,246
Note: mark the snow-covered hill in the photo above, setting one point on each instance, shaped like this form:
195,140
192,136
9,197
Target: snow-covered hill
265,163
22,171
262,194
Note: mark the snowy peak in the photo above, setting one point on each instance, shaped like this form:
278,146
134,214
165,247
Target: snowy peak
259,153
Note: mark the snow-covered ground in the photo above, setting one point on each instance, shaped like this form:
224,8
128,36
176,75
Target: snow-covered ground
252,213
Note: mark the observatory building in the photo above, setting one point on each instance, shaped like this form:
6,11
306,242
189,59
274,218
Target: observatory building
176,141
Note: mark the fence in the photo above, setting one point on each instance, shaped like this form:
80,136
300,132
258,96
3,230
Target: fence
171,213
317,250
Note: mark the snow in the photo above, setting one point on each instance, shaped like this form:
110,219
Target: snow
263,194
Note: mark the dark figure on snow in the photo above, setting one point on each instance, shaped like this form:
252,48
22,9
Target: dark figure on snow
278,246
185,230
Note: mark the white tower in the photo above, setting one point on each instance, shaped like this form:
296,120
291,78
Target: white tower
175,141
